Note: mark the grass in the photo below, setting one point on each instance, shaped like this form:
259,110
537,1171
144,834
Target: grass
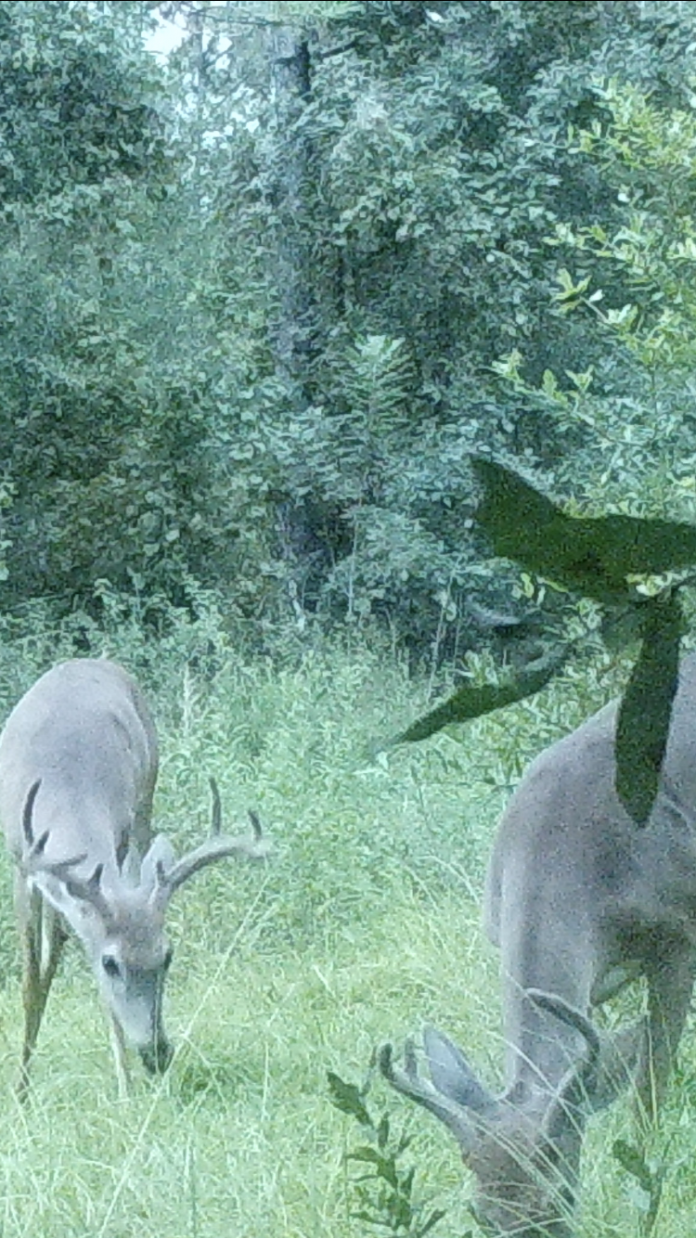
364,924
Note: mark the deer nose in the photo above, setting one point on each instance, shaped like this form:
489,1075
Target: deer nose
156,1057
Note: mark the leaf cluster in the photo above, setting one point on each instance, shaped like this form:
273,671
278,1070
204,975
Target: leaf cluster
384,1193
600,558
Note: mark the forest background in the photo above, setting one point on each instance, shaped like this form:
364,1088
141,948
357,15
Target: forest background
261,299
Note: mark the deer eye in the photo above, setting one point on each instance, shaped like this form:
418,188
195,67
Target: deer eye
110,965
167,961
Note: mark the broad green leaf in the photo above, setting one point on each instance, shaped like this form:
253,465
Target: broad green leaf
474,700
384,1165
644,713
630,546
592,556
348,1098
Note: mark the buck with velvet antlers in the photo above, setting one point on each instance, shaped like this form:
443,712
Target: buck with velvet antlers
78,765
580,901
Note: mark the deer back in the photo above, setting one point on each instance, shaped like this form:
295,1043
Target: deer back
86,733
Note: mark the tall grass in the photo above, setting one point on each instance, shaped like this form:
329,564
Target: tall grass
363,924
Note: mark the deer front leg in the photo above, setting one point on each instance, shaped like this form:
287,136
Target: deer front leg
40,963
670,985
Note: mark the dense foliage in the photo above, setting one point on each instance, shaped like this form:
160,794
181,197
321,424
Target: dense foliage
262,299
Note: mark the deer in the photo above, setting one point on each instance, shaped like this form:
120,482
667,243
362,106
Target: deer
78,767
580,902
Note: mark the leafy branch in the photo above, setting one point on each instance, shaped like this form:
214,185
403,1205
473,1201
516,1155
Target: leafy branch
601,558
384,1192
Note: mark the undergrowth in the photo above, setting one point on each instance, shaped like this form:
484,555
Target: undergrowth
363,925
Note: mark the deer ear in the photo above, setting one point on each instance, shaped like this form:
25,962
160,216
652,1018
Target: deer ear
158,860
130,867
74,910
453,1076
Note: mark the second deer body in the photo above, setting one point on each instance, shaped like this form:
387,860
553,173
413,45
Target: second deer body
580,901
78,766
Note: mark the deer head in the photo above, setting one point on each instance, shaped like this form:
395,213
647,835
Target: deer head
119,916
524,1152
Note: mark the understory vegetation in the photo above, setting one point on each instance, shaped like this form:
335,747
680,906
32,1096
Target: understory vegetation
364,924
266,291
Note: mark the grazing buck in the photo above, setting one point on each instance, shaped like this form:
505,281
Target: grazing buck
580,901
78,765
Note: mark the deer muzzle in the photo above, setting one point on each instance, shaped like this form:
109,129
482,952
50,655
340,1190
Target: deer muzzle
157,1056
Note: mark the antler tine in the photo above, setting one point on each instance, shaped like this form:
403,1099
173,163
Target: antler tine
216,814
410,1083
218,847
89,890
210,852
27,819
574,1018
576,1086
33,860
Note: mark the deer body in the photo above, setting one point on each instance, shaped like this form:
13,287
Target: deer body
580,901
85,732
78,766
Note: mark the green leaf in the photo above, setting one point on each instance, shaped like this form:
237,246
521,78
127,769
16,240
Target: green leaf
644,713
348,1098
592,556
630,546
474,700
632,1160
384,1165
406,1184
